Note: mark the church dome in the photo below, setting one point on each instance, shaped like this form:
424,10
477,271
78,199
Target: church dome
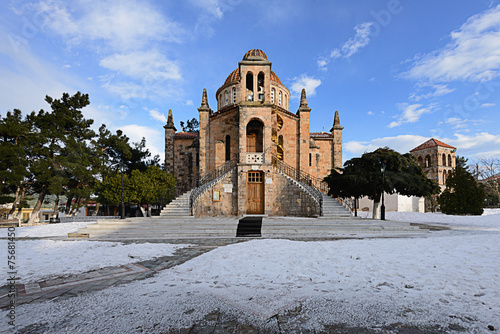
255,54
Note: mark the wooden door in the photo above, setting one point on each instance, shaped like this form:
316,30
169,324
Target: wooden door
255,192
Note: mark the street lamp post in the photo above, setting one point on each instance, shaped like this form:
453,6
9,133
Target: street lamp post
382,208
123,198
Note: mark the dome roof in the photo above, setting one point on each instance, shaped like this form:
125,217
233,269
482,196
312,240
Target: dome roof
255,54
235,76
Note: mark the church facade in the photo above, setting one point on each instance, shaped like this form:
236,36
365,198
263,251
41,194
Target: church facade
253,156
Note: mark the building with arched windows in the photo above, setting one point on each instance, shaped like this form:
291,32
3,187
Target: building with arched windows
436,158
252,155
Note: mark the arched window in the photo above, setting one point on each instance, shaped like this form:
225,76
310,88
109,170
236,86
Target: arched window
226,98
420,161
444,177
310,159
272,95
444,159
228,148
255,134
279,98
427,161
285,102
249,86
449,160
260,86
234,94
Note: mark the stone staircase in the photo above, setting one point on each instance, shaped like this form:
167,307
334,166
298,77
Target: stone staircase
332,209
178,208
159,228
272,227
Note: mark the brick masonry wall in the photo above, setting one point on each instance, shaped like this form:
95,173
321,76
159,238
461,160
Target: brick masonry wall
290,200
228,204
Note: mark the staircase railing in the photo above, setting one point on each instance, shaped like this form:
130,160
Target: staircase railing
299,175
211,178
313,185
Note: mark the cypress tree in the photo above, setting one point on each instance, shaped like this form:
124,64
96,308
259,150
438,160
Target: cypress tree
463,195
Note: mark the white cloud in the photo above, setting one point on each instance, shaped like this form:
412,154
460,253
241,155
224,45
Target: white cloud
474,145
212,7
307,82
144,66
411,113
352,46
154,137
122,25
438,90
155,114
189,103
487,105
26,78
371,113
401,143
460,123
473,54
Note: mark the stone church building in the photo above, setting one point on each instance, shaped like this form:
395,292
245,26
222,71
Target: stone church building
253,155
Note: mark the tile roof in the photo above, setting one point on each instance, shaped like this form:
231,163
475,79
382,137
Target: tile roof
320,135
432,143
186,135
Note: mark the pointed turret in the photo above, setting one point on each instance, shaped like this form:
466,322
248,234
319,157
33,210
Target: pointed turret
203,134
170,121
303,103
336,122
204,102
169,143
336,131
303,99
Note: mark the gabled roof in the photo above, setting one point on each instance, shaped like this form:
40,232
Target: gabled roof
432,143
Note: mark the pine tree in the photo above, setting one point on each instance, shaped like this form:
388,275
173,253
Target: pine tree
463,195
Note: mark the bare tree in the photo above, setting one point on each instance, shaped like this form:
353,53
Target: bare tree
488,170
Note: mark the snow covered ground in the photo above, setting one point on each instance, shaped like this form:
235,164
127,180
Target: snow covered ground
446,278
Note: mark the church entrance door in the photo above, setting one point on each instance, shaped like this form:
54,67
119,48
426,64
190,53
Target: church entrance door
255,192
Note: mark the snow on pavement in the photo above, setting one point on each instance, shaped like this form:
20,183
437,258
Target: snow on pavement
39,260
441,279
490,218
50,230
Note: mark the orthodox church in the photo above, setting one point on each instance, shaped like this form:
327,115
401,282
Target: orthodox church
252,155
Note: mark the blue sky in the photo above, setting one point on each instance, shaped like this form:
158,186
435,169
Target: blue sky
399,72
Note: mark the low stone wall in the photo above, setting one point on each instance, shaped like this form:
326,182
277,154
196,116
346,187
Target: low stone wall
291,200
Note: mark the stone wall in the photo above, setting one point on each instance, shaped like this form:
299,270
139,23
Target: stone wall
290,200
185,164
228,204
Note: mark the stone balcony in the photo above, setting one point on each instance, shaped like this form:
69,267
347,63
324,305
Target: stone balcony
255,158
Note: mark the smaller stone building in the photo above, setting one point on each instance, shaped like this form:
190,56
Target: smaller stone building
437,159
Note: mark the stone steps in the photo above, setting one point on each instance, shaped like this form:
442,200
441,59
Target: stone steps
332,209
161,228
179,207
